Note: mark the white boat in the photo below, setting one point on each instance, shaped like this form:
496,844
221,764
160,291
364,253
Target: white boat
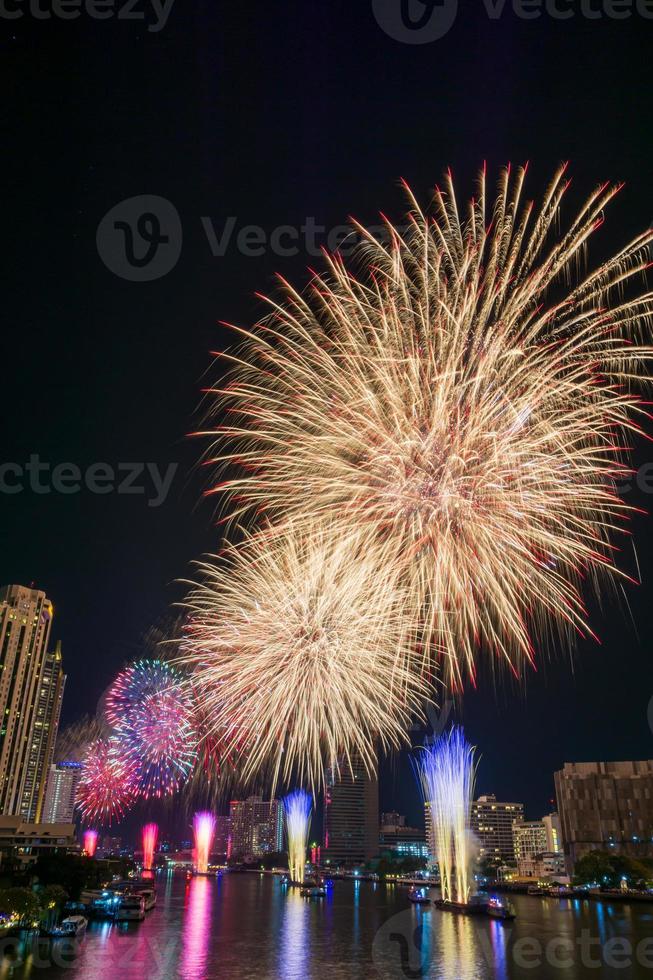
130,908
149,897
73,925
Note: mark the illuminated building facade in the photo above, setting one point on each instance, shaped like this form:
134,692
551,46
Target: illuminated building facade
399,840
529,838
221,838
256,826
351,815
553,833
31,690
492,823
63,779
605,806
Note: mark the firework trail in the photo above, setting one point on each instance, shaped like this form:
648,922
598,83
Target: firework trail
297,814
465,404
203,830
107,788
446,772
150,708
299,647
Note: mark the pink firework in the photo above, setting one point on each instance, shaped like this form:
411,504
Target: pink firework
203,829
107,788
90,842
150,836
150,707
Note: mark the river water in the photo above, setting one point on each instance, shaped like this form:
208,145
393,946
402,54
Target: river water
249,926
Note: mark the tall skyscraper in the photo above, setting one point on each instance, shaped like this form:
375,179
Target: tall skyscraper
553,833
222,833
605,806
59,804
351,815
255,826
492,823
31,689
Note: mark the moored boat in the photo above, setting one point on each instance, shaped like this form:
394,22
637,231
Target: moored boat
497,909
419,896
72,925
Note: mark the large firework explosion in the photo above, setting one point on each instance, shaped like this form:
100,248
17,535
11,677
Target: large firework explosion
299,646
297,815
150,708
108,785
465,404
446,772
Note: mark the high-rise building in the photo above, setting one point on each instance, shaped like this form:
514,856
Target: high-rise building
492,823
553,833
222,831
351,815
31,689
529,840
63,779
605,806
399,840
256,826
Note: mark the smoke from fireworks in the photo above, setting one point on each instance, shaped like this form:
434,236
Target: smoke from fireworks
150,708
297,814
446,773
299,648
465,404
150,834
90,842
107,788
73,740
203,831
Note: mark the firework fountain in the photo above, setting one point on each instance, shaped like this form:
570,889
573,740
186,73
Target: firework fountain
297,813
446,771
90,842
203,830
150,834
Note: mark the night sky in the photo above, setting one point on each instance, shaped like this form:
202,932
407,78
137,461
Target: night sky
273,114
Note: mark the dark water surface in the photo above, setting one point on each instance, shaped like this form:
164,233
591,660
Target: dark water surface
248,926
